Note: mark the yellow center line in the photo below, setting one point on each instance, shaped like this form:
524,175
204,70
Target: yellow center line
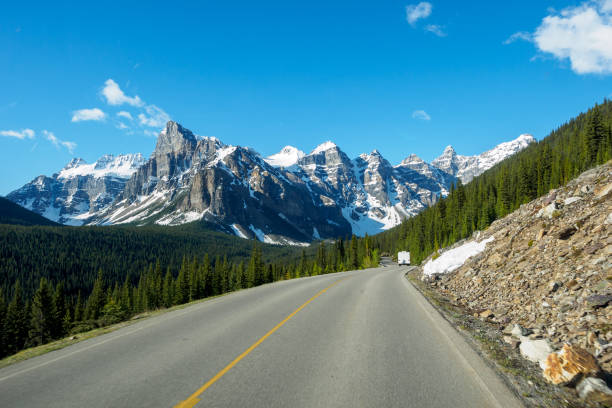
193,398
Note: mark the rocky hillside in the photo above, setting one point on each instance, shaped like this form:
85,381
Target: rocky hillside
545,278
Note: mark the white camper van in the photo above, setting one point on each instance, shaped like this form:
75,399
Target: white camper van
403,258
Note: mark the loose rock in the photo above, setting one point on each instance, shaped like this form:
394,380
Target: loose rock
595,390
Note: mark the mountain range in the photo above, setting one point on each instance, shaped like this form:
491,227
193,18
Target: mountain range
287,198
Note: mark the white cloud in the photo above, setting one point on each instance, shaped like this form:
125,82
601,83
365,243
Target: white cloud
436,29
125,114
115,96
420,114
606,5
23,134
415,12
581,34
155,117
87,114
147,115
58,143
521,35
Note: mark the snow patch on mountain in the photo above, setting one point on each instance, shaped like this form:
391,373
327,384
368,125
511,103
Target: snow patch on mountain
468,167
287,157
121,166
323,147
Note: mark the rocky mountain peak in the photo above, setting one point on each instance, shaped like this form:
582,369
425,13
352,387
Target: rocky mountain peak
525,137
323,147
411,160
190,177
75,162
449,151
174,138
468,167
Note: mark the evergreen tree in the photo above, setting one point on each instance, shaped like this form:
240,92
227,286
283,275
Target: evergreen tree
354,262
96,300
168,296
3,351
16,324
79,311
42,315
60,309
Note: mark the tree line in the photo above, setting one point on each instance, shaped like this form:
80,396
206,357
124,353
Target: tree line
51,313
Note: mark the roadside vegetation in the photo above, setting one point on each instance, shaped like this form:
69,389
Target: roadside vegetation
51,312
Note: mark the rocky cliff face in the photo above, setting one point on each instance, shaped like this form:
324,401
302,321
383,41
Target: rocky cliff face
189,178
545,279
79,189
290,197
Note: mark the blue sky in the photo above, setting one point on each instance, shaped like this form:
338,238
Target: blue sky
273,73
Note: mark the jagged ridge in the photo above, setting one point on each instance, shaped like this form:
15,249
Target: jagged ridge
289,198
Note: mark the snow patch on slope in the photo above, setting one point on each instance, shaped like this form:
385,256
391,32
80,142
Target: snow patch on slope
122,166
454,258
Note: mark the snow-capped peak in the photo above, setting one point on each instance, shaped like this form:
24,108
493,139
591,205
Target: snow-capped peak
413,159
288,156
468,167
121,166
448,150
324,147
77,161
503,150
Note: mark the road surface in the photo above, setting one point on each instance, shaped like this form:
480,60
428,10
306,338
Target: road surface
352,339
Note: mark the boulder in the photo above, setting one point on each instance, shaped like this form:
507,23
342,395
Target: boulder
519,331
571,200
535,350
569,364
548,211
595,390
598,301
603,191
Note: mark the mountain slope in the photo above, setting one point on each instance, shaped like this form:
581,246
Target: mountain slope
189,178
79,189
11,213
287,198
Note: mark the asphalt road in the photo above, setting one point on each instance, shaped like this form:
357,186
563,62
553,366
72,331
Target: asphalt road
368,340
